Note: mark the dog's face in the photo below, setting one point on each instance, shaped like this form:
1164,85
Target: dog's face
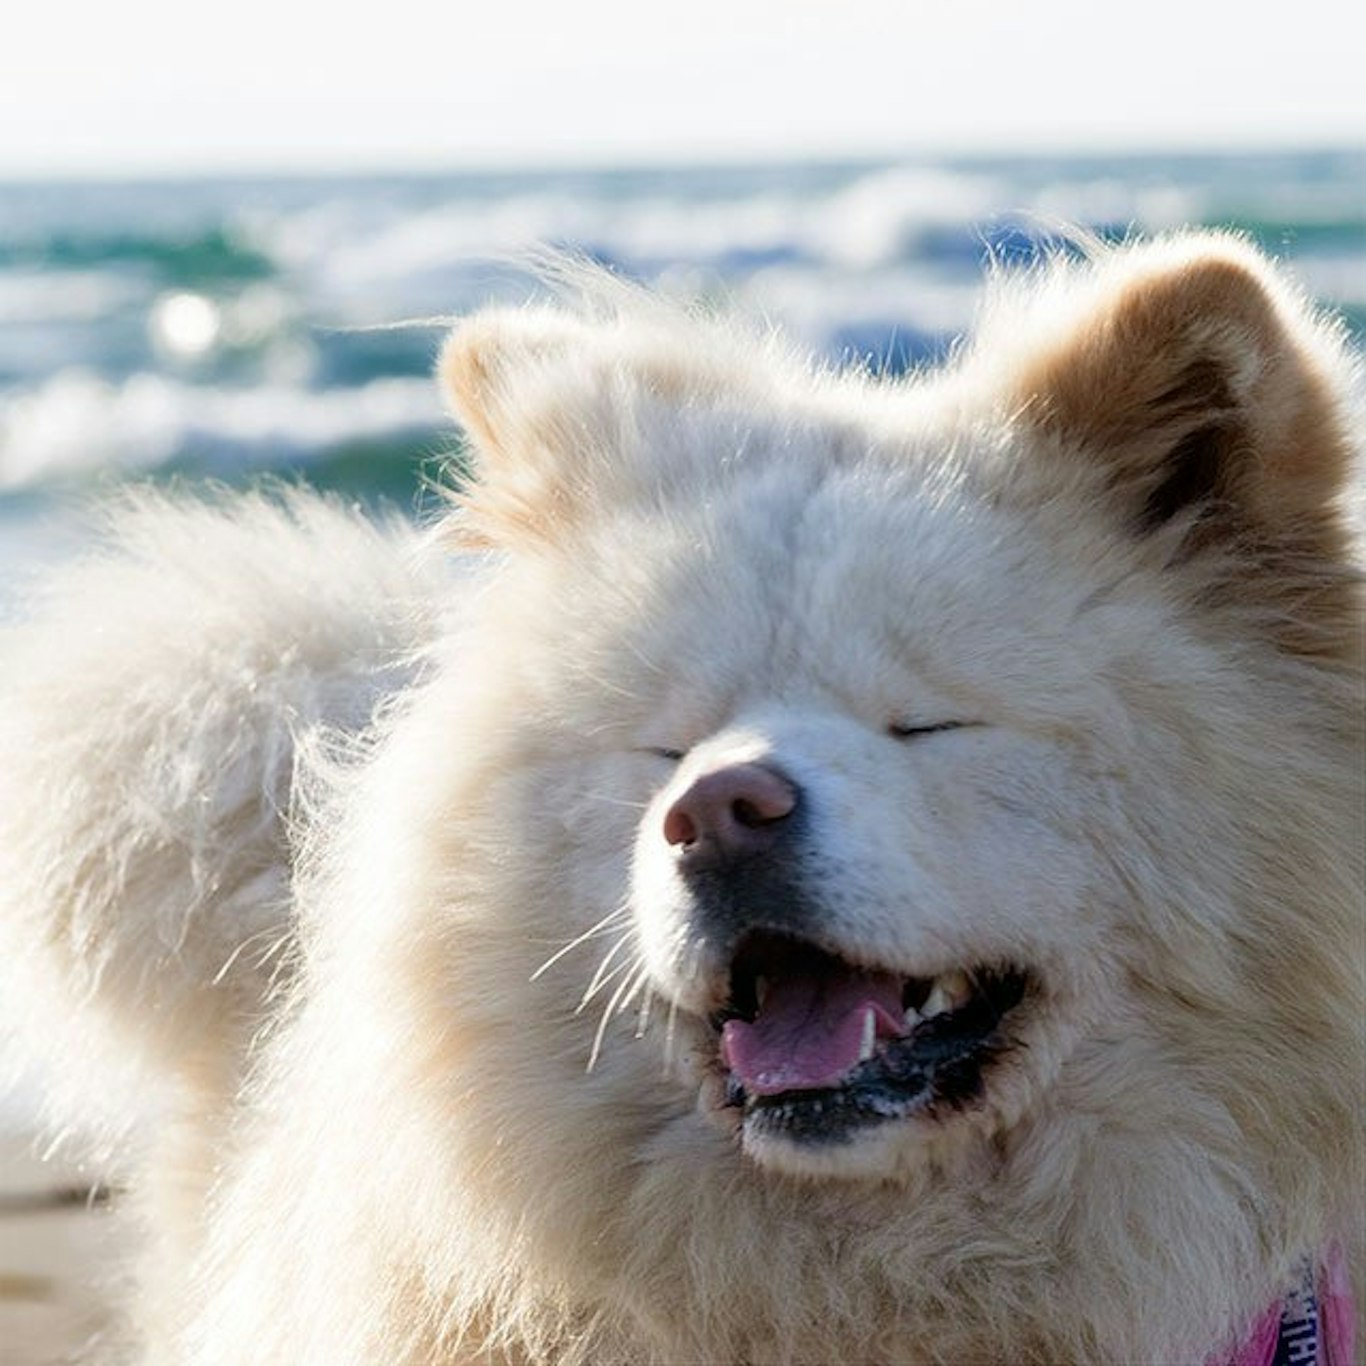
949,784
870,876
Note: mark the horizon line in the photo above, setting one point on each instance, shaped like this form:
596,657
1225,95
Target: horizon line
421,164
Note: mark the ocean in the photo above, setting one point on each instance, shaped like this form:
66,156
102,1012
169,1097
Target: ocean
237,329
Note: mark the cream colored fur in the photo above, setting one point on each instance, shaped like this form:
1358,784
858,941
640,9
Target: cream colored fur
367,990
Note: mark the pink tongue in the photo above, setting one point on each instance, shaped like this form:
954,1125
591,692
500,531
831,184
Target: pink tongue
809,1032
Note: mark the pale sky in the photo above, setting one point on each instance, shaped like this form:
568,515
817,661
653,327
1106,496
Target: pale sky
165,86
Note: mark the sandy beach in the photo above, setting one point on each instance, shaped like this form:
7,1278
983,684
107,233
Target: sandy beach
56,1245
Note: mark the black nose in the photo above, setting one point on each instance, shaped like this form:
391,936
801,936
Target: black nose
729,815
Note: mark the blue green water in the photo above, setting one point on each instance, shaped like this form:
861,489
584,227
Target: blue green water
179,329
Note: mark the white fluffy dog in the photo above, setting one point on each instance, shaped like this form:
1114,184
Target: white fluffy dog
797,868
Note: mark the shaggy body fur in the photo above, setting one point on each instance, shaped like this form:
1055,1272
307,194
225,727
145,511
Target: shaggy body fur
349,842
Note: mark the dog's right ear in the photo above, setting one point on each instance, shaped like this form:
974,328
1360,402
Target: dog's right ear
561,408
553,405
544,409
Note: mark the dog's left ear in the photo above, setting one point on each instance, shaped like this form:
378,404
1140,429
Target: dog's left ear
1209,399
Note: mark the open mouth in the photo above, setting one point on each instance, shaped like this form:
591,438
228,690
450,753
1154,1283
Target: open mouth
816,1048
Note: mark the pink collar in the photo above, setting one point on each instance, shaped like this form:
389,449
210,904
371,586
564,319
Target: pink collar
1312,1325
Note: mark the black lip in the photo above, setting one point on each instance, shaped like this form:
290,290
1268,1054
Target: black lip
940,1063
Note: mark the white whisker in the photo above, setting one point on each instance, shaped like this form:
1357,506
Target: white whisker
695,950
632,982
606,981
601,977
601,927
643,1018
669,1024
641,979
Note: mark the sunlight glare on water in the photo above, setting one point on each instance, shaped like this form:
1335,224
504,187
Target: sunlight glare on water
184,325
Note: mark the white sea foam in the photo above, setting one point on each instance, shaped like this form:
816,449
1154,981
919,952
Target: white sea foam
816,308
224,338
1336,275
1114,200
77,422
350,254
30,296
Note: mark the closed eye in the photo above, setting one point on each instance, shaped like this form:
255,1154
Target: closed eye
914,730
673,756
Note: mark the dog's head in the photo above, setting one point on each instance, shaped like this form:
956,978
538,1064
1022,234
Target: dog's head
953,782
945,728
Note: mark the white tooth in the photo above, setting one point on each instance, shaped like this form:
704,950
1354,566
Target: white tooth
912,1017
869,1044
957,988
936,1003
760,991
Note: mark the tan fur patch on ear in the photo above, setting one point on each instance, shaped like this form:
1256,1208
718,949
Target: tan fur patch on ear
1208,395
1199,357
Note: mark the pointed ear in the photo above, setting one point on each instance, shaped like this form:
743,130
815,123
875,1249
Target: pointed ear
543,409
1210,400
555,403
1201,384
